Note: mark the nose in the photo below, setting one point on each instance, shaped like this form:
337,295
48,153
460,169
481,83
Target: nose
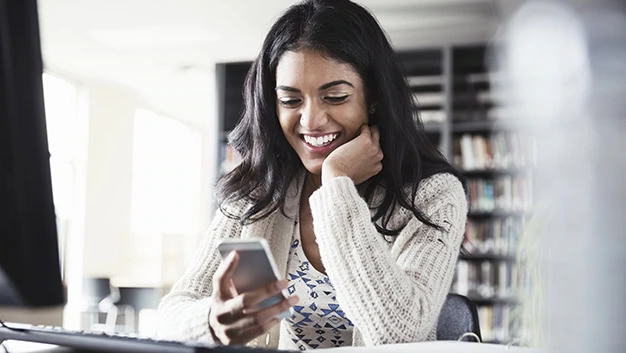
313,116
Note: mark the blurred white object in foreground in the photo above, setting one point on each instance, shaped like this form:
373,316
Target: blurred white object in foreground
564,70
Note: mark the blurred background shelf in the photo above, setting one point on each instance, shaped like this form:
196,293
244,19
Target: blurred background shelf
486,257
494,172
497,214
481,301
460,126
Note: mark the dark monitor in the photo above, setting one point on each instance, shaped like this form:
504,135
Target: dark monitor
29,255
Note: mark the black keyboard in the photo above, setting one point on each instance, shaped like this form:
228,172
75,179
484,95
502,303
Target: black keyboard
108,342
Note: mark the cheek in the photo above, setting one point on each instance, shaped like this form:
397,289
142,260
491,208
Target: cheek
287,123
353,120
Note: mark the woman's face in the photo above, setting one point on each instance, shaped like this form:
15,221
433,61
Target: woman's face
320,104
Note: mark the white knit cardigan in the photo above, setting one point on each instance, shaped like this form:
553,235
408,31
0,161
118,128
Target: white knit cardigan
391,289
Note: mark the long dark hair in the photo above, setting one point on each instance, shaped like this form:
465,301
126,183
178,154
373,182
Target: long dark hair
344,31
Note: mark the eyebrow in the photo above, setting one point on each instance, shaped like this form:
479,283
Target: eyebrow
321,88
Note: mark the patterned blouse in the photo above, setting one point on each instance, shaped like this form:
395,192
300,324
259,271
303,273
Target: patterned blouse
317,320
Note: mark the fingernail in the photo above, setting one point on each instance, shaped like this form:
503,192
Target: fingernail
232,255
282,284
293,300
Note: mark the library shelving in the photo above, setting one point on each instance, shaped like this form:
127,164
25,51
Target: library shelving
463,117
495,151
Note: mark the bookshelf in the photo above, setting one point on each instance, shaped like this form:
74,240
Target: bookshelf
464,118
495,152
424,70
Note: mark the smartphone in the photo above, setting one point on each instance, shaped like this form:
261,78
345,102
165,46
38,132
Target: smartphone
256,268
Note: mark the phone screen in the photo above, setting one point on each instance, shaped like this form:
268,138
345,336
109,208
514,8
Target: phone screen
254,270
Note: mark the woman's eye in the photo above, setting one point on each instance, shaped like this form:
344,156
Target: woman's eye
289,102
336,99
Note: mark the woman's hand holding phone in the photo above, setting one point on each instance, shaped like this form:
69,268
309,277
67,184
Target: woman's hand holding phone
233,318
360,159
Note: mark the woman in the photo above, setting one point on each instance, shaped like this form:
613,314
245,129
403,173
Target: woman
363,216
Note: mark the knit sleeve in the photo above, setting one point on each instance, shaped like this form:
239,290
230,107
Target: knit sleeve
392,294
183,313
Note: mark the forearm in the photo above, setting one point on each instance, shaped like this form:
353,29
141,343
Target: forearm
185,317
184,312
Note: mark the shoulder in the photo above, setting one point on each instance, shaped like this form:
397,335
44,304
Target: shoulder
441,188
233,209
433,193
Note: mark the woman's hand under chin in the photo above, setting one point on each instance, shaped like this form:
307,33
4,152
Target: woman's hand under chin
360,159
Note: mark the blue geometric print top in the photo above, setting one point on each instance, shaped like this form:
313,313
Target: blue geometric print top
317,320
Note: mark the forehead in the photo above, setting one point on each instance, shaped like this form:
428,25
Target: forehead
309,68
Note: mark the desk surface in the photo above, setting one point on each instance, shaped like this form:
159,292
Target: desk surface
423,347
29,347
436,347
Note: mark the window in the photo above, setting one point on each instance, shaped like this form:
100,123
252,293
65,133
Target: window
66,127
166,175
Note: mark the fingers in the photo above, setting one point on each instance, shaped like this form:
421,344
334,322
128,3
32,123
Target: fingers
375,134
372,133
376,140
223,275
233,290
248,300
242,334
365,131
235,309
261,316
253,324
358,159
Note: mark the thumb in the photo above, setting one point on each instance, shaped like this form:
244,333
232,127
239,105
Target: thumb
224,274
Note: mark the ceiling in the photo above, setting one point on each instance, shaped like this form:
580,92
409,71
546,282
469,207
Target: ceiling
165,50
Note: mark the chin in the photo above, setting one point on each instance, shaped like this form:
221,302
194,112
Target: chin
314,168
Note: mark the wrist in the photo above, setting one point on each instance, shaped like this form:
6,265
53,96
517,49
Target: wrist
329,173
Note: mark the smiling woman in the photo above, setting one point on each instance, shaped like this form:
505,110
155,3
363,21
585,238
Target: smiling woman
363,216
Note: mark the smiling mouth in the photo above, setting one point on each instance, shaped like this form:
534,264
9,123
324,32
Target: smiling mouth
320,141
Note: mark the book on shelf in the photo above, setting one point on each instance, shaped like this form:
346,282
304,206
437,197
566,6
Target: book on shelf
429,98
496,324
504,113
486,281
505,193
495,151
492,286
490,97
479,150
425,80
434,116
496,236
481,77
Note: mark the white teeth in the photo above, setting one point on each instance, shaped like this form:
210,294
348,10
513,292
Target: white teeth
321,140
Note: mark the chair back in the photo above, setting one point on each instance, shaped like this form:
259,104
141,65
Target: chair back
140,297
133,300
458,316
97,290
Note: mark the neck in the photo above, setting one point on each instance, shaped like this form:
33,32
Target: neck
312,183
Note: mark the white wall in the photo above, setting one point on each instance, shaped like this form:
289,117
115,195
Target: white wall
109,177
